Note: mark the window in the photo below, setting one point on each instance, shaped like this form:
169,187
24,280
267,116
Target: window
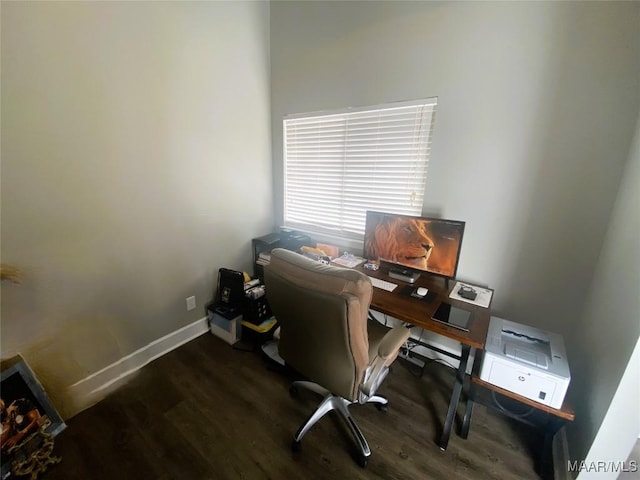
338,165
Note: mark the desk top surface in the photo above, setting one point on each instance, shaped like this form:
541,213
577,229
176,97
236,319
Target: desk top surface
418,311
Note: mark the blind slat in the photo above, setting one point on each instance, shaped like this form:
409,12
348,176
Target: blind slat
338,165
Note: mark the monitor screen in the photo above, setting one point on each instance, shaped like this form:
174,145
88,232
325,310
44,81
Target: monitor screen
422,244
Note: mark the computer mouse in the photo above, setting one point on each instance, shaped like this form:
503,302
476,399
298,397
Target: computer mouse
421,291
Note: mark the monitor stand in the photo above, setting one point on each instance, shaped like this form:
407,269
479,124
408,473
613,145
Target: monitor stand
408,276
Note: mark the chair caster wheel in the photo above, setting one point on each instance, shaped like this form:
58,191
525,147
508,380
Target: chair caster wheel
383,407
296,446
293,391
363,461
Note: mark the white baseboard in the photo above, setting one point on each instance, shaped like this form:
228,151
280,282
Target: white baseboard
93,388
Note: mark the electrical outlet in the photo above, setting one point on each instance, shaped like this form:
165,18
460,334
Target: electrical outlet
191,303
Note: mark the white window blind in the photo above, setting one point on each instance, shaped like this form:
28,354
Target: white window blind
338,165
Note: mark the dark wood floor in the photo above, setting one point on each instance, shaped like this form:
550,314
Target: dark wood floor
207,411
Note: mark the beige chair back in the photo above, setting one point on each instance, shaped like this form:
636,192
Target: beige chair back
322,311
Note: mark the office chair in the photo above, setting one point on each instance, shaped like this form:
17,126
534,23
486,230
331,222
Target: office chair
326,337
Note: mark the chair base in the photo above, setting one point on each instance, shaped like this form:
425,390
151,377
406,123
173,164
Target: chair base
340,405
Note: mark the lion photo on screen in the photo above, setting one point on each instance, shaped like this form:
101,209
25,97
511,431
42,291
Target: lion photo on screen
431,245
401,240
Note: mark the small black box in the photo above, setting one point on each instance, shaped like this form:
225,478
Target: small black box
467,292
256,310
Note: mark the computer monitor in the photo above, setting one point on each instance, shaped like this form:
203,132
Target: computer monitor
413,244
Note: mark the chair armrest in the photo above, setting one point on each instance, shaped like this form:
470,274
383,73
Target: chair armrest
379,365
392,341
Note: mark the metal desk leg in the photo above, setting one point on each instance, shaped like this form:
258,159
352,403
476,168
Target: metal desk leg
455,397
546,458
468,412
466,422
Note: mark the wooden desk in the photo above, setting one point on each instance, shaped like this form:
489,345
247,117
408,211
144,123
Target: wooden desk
418,312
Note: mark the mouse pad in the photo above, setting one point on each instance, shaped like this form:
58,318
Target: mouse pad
408,291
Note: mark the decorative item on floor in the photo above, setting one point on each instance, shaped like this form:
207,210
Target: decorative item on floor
29,422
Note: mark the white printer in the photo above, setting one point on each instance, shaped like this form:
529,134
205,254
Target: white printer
527,361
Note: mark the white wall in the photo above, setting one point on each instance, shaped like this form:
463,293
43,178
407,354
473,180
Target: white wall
619,430
606,370
537,108
135,163
537,104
